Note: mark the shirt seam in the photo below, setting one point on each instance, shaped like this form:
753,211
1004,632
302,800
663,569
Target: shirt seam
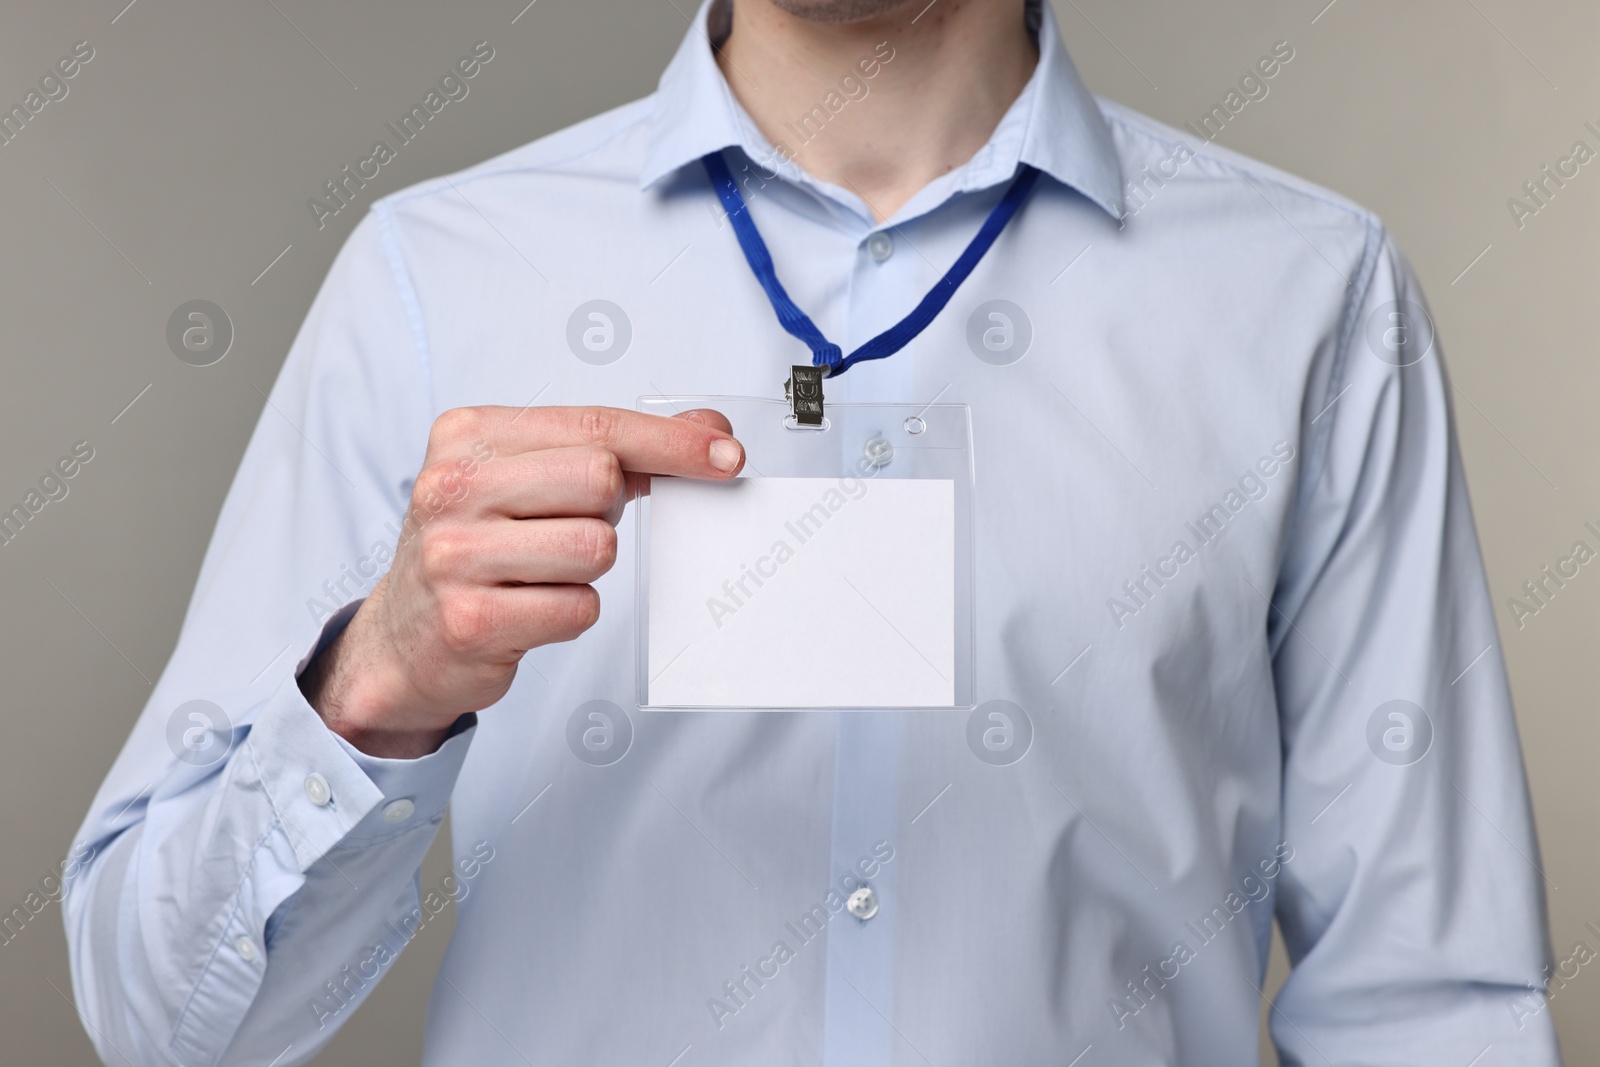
278,818
1361,214
233,914
1318,446
406,290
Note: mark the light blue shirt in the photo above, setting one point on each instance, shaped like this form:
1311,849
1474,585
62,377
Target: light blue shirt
1228,587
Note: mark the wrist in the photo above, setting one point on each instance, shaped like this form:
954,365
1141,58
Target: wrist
360,696
386,743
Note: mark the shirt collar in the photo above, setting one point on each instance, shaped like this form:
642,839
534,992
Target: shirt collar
1054,124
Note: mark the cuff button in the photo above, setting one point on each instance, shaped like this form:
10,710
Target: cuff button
317,790
398,811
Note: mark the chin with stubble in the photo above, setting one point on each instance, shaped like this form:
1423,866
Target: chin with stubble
839,12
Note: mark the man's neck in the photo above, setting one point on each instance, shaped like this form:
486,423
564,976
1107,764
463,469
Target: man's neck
940,82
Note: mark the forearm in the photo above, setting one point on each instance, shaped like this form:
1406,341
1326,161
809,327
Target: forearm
213,926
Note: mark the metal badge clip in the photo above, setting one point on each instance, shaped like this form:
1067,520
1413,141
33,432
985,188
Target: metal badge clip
803,391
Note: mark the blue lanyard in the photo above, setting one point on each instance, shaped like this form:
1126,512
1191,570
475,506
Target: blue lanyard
824,353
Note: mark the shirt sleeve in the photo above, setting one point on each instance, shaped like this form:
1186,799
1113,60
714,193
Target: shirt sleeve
1413,907
241,863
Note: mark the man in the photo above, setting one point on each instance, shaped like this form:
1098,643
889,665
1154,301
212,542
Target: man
1229,594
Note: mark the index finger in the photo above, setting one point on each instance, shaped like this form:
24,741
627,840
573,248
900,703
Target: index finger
644,444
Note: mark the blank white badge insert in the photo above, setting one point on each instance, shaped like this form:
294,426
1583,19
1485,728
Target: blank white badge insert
802,593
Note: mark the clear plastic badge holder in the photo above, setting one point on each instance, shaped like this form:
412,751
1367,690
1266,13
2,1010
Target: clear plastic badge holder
832,593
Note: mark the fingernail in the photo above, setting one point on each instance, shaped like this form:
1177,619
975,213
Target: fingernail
725,454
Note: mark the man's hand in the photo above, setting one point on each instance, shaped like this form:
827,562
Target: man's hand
512,516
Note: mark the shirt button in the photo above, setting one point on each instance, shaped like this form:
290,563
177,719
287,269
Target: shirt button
398,811
877,453
246,949
863,903
881,246
317,790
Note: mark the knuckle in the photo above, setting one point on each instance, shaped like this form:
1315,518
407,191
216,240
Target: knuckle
443,553
604,479
598,425
465,620
455,425
438,486
430,483
580,610
598,545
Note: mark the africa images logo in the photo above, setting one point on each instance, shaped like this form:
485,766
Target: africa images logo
199,333
199,733
599,332
1399,733
599,732
999,732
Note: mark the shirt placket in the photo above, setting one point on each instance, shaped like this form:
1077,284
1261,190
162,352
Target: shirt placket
860,984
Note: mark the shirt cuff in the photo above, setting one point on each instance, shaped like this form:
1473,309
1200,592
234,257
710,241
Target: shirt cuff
329,794
413,790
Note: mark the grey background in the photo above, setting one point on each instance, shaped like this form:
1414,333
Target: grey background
179,164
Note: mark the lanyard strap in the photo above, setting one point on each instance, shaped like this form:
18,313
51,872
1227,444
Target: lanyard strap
824,353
